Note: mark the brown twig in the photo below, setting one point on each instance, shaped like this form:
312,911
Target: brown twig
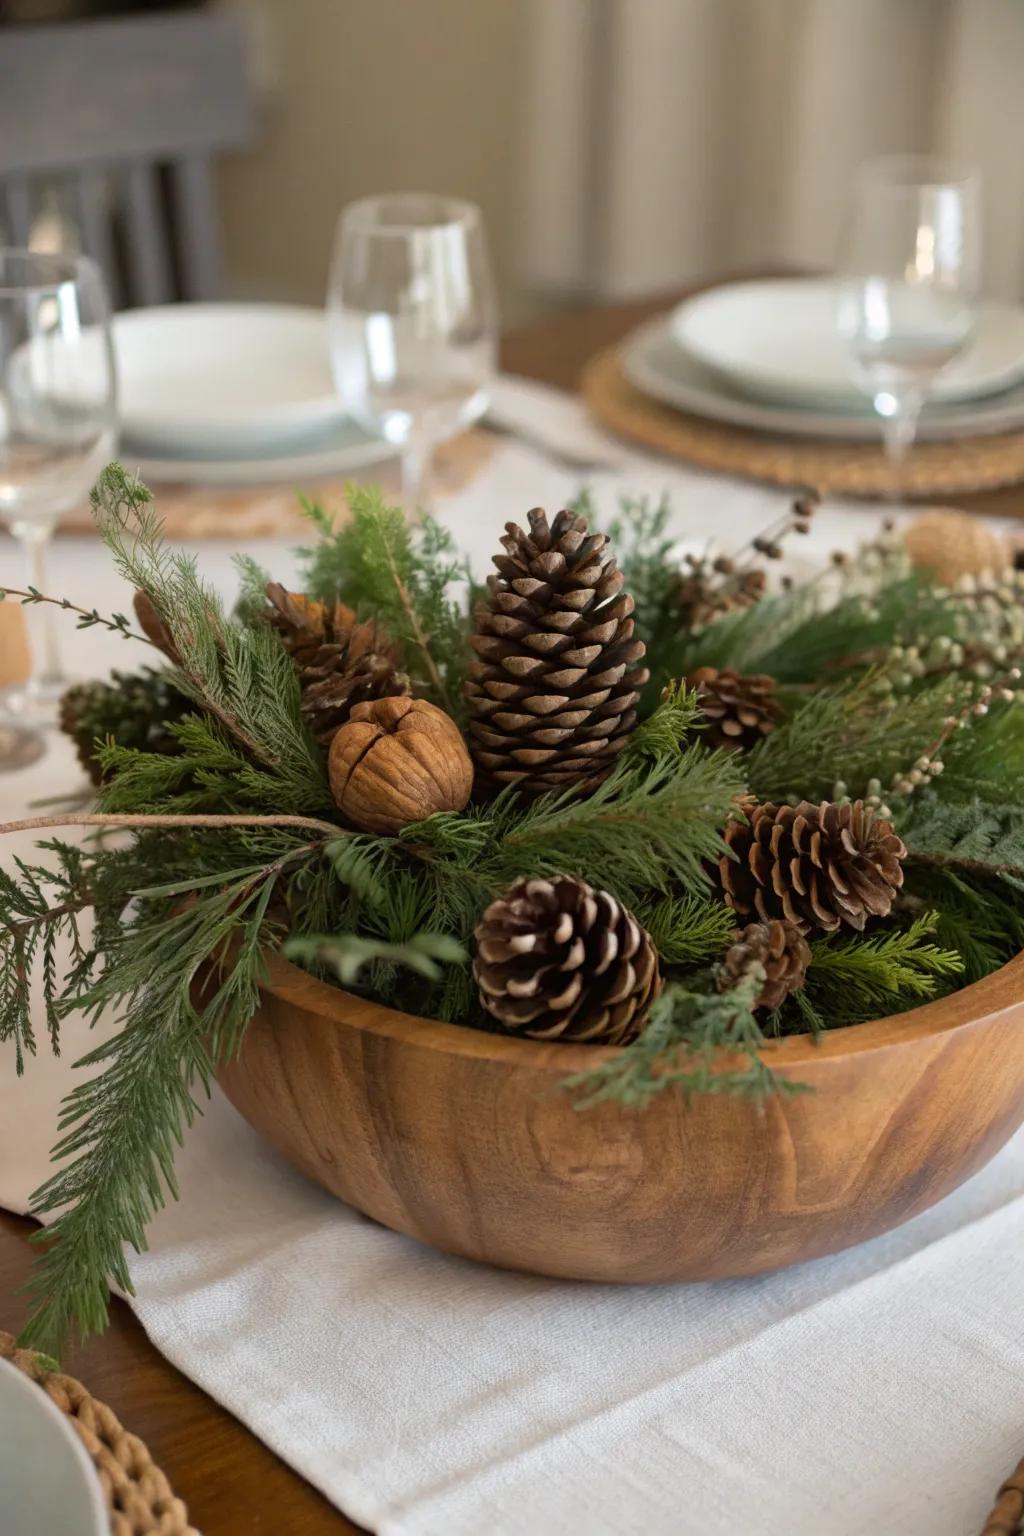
417,629
28,598
968,866
116,819
1007,1518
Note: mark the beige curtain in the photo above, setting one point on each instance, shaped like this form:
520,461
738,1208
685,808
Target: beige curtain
668,139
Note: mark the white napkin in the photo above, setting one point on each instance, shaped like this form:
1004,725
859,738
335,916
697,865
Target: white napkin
878,1391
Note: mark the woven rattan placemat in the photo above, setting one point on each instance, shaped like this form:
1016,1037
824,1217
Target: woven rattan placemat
138,1495
841,468
272,511
1007,1517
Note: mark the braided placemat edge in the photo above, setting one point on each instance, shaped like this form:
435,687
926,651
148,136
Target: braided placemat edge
960,466
139,1497
1007,1517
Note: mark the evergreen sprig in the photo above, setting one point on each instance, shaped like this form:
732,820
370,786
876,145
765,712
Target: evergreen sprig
408,578
858,977
695,1042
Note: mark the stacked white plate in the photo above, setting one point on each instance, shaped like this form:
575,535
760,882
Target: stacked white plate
233,394
768,355
48,1483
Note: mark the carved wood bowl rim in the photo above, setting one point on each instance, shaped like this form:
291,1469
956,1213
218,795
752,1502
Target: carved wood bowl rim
997,993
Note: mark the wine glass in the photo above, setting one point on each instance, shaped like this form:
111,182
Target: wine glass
57,426
412,321
909,278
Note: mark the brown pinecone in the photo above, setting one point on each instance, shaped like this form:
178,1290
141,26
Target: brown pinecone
559,961
739,710
820,866
706,593
552,694
780,948
153,626
340,661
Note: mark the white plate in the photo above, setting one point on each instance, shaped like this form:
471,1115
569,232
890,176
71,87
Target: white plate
658,367
335,451
780,341
47,1482
223,377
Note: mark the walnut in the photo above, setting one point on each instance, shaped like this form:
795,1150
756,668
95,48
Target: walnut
398,760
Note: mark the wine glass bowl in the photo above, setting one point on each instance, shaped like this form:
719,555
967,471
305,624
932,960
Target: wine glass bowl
412,322
909,281
57,421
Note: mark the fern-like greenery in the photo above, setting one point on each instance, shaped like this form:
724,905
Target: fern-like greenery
410,578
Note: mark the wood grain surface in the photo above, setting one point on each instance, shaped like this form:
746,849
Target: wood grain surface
470,1142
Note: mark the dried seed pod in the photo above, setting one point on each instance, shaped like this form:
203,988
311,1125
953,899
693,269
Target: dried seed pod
396,761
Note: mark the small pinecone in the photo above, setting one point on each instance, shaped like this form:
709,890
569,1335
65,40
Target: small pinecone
552,695
340,661
820,866
779,948
705,594
134,708
558,961
153,626
739,710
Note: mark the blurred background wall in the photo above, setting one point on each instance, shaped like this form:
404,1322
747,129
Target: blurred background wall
616,146
619,146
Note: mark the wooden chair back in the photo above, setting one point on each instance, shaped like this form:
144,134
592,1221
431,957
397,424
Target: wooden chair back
125,117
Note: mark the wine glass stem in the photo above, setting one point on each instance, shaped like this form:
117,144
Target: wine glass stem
899,428
47,671
417,455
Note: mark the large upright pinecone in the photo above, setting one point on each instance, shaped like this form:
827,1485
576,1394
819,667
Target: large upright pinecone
552,695
558,961
340,661
738,710
820,866
134,708
781,951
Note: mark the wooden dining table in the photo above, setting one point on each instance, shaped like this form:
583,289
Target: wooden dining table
233,1485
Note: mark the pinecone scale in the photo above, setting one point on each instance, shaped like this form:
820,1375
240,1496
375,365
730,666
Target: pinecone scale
556,960
779,949
135,709
552,693
340,660
738,710
822,867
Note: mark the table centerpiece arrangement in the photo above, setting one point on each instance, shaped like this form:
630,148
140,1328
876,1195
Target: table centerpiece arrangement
581,923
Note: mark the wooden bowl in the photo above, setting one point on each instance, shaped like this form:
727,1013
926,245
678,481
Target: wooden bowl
469,1141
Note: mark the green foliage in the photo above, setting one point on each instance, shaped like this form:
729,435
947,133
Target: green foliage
401,575
974,832
850,732
688,930
644,549
858,977
119,1128
696,1042
347,953
239,674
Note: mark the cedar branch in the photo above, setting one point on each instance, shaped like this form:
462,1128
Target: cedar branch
112,819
